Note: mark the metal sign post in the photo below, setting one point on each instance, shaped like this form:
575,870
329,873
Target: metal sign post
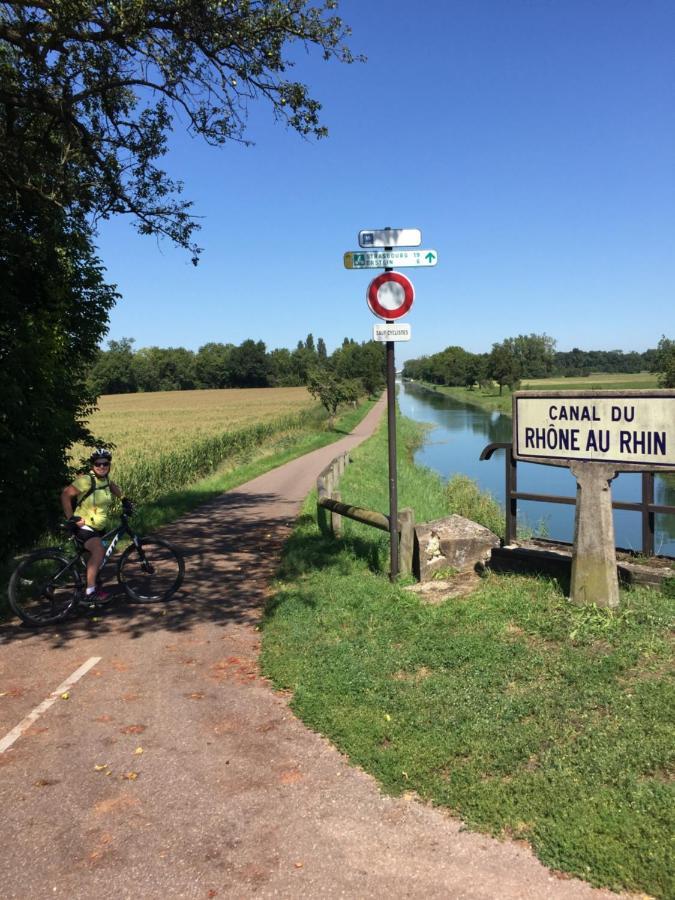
389,297
393,461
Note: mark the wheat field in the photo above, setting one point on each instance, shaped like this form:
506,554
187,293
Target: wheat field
164,440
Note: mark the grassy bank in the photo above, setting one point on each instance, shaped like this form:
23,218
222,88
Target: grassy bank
485,398
491,399
524,716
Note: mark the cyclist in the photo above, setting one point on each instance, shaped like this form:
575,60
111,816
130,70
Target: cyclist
86,504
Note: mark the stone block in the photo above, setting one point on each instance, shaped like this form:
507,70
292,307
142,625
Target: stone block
451,543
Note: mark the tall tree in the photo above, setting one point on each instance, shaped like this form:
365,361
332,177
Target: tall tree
89,92
212,365
105,82
664,362
503,365
249,364
54,304
113,370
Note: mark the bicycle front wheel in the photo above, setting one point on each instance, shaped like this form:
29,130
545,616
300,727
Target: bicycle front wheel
152,571
44,588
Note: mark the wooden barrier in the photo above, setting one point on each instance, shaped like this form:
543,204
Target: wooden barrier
331,509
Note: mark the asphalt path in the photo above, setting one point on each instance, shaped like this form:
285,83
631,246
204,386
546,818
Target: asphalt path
171,768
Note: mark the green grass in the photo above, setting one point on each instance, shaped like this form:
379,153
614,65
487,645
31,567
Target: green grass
523,715
489,398
485,398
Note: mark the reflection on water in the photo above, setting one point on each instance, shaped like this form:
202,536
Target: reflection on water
458,438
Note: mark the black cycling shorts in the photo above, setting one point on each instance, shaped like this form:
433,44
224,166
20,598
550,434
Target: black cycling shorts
86,534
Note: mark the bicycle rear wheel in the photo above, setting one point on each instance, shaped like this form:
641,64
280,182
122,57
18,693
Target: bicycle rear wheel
44,588
154,573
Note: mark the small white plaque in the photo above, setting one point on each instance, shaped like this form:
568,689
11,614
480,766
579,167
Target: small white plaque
391,331
390,237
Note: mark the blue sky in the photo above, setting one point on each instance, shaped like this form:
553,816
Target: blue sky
531,141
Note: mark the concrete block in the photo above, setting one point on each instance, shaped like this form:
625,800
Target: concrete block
451,543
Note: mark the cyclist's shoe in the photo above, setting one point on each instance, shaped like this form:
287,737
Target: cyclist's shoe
98,598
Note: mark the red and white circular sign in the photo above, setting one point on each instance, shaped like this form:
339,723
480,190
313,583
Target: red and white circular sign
390,295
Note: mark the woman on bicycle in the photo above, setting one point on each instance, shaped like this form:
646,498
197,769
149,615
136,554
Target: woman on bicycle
86,504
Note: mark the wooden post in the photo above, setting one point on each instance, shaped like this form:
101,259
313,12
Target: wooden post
336,518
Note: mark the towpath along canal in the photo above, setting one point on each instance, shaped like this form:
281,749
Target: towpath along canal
147,758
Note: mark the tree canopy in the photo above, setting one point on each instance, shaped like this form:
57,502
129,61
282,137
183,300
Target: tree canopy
664,362
99,86
89,93
55,311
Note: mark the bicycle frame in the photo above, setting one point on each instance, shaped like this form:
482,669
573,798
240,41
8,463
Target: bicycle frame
112,537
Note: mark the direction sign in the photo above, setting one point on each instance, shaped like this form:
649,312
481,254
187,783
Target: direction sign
390,295
391,237
391,331
389,259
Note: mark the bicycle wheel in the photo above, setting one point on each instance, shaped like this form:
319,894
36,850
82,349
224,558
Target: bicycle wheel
154,573
44,588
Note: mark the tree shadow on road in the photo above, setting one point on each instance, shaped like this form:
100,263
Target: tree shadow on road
231,545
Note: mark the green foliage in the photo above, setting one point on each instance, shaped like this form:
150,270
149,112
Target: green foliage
503,366
526,357
113,370
89,92
148,480
365,362
120,369
329,390
664,362
103,83
465,498
55,305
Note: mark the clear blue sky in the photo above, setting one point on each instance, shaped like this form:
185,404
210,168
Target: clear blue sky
531,141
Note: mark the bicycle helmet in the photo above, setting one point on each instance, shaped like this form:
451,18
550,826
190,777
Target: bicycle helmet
100,453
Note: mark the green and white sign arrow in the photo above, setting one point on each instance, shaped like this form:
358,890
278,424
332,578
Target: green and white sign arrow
391,259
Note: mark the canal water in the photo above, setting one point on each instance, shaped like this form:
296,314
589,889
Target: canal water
461,432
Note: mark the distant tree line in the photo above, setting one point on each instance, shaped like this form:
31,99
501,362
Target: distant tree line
120,369
535,356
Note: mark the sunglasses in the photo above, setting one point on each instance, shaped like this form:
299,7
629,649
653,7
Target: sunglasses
103,462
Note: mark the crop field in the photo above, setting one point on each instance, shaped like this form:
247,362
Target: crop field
596,381
166,439
164,420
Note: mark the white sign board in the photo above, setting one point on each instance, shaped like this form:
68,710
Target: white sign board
389,259
629,428
390,237
391,331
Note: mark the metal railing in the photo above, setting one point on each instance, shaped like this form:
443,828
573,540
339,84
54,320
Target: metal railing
647,508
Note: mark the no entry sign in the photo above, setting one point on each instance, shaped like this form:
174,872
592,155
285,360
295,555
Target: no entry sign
390,295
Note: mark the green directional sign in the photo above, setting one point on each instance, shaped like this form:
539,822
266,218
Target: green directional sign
389,259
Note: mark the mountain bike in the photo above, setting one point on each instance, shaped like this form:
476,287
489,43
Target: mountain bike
49,585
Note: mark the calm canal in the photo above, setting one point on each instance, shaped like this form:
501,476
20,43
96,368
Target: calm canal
461,432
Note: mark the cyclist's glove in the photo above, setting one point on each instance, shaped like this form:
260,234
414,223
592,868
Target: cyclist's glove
127,506
71,524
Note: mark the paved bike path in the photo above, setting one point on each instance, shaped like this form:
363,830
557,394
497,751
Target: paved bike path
172,769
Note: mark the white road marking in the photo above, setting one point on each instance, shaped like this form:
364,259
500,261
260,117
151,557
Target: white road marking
32,717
